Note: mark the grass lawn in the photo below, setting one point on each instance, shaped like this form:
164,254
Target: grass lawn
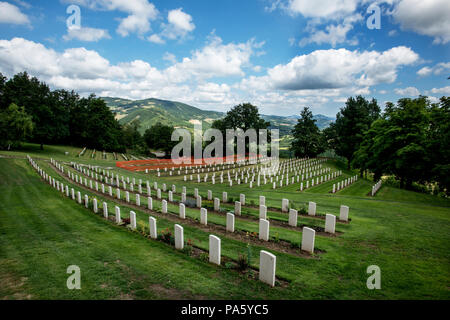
42,233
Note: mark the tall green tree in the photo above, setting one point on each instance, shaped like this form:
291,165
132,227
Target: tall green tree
352,122
15,126
159,137
439,143
308,140
243,116
39,103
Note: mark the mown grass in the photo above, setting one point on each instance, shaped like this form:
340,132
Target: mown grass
406,234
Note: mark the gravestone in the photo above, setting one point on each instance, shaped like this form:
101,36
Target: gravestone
308,237
182,211
164,206
285,205
105,210
312,208
152,224
293,217
264,228
179,237
150,203
216,204
267,267
237,208
230,222
117,211
343,214
204,216
133,220
330,223
214,250
262,212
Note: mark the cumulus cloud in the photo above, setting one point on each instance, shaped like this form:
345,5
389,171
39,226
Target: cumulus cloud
407,92
327,69
334,33
140,13
444,90
438,69
429,18
11,14
86,34
329,9
179,25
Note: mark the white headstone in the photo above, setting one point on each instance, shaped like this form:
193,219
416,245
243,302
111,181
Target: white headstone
285,205
133,220
105,210
117,211
182,211
308,237
330,223
230,222
216,204
262,212
150,203
262,200
214,250
164,206
312,208
179,237
152,224
242,199
264,229
343,214
293,216
237,208
204,216
267,267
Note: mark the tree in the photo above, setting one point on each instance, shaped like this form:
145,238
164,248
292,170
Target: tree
352,122
397,143
439,143
308,141
132,137
36,97
159,137
15,126
243,116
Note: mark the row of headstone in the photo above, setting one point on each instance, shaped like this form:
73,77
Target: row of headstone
344,183
376,187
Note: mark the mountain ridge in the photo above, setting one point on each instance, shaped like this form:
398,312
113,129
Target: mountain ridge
180,115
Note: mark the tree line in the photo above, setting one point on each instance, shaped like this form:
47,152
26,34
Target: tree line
31,111
409,141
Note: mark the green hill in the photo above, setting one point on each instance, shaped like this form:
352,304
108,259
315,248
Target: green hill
152,111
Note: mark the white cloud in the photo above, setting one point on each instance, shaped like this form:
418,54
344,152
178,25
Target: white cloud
334,33
430,17
11,14
86,34
329,9
408,92
140,13
438,69
444,90
216,59
170,57
325,69
156,39
179,25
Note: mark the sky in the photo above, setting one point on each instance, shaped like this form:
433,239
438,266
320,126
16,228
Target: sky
280,55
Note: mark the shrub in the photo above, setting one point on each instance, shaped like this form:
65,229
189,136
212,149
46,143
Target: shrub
167,237
242,262
303,210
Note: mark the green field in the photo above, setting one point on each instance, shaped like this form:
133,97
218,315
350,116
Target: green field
42,232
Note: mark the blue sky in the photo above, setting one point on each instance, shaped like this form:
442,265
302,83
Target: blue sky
280,55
